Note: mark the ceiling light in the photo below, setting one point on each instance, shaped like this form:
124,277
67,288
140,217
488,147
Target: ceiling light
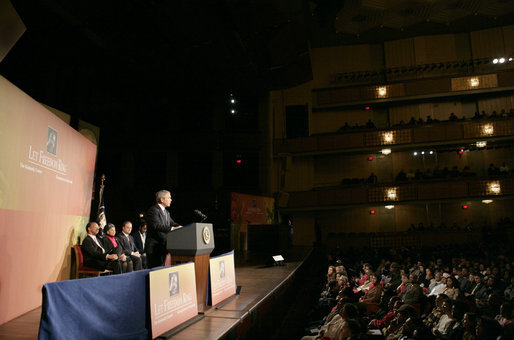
495,61
391,194
495,188
487,129
388,137
386,151
487,201
415,153
382,91
502,60
389,207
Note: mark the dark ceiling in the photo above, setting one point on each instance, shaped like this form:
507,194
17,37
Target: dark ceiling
100,56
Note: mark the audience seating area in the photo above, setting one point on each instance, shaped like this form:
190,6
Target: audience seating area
431,291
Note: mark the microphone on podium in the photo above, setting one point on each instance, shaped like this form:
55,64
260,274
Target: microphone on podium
200,214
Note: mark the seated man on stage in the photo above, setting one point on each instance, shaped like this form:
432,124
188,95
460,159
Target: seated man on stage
140,241
159,224
94,253
129,248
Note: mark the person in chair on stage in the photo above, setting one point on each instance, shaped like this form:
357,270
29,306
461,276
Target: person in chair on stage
129,248
113,246
140,241
95,255
159,224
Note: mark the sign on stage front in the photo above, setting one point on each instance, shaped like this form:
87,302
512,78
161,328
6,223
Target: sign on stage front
223,277
172,297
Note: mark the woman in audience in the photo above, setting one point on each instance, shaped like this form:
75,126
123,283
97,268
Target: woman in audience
111,245
487,329
374,292
469,323
443,326
393,305
331,274
451,290
505,316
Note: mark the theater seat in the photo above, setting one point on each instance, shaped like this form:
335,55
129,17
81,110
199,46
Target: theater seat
78,267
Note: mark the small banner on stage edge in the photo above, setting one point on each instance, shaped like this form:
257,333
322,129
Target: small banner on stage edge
223,277
172,297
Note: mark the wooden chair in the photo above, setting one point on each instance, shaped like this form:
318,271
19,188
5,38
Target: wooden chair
77,265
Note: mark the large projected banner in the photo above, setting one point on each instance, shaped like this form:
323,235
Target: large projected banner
46,179
223,277
172,297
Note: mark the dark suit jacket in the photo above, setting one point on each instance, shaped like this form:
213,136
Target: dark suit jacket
138,241
157,228
93,255
128,245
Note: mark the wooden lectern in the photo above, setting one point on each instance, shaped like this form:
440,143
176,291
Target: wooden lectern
193,243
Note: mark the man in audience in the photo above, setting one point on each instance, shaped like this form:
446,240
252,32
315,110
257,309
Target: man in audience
95,255
413,293
129,247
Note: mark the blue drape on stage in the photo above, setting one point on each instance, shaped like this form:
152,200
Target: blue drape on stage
107,307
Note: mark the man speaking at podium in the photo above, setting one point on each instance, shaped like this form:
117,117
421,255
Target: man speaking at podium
159,224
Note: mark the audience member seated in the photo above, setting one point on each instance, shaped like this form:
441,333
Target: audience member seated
395,329
393,306
95,255
412,294
445,322
128,245
374,291
112,246
451,290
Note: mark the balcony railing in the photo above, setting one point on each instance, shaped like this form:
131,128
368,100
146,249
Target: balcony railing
429,133
423,190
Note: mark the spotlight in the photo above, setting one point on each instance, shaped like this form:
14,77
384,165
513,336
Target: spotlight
415,153
495,188
501,60
487,201
510,59
431,152
495,61
389,207
232,101
481,144
386,151
232,111
422,152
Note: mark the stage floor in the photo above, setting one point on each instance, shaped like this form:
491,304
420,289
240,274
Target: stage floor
257,283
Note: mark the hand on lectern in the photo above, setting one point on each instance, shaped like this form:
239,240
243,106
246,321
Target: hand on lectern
177,227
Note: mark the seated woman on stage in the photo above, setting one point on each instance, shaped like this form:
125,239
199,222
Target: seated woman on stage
112,246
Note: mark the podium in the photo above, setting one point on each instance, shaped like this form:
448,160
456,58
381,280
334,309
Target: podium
193,243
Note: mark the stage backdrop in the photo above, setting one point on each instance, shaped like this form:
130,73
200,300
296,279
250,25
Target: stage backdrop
46,180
